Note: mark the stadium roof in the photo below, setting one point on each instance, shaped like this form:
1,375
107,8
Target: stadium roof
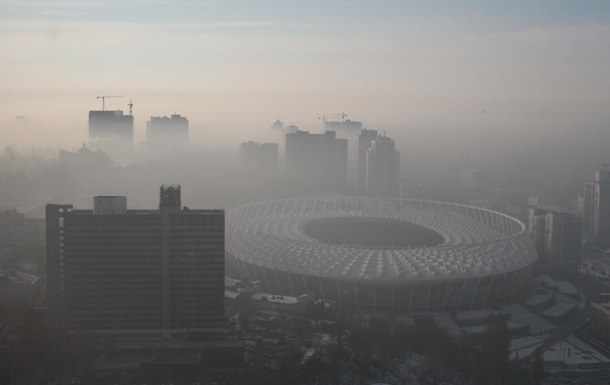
478,242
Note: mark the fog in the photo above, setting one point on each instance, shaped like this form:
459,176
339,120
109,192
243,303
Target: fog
532,148
329,111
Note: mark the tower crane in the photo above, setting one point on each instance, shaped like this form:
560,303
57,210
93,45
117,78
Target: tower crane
104,100
342,115
130,104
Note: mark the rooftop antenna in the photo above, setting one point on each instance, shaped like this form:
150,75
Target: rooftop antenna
130,104
104,100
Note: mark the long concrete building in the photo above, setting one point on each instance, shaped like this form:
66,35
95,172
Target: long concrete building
111,270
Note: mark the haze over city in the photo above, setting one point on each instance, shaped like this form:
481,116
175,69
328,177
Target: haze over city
304,192
411,68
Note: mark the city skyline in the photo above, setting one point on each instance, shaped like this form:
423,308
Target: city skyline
401,191
494,69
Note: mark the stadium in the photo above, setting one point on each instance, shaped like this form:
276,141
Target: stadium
382,255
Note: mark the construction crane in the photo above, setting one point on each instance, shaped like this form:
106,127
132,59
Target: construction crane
130,104
326,117
104,100
342,115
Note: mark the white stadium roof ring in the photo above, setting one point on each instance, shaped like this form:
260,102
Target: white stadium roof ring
382,254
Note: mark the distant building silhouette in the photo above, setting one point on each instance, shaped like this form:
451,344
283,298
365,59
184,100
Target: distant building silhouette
585,207
362,144
537,230
557,236
85,157
278,126
291,129
172,131
278,134
596,207
165,137
110,124
382,168
259,157
345,129
375,166
112,132
319,161
114,271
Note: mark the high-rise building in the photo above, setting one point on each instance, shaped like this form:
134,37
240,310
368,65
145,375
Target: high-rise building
537,229
600,208
259,157
318,161
557,236
362,144
278,131
383,168
172,132
564,234
110,124
112,132
599,315
585,203
165,137
345,129
114,271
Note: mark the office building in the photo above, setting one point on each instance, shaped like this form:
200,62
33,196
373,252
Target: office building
317,162
114,271
259,157
557,236
382,168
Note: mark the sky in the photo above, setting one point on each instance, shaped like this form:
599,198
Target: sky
472,69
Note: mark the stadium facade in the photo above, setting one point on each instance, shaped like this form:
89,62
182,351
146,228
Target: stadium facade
382,255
